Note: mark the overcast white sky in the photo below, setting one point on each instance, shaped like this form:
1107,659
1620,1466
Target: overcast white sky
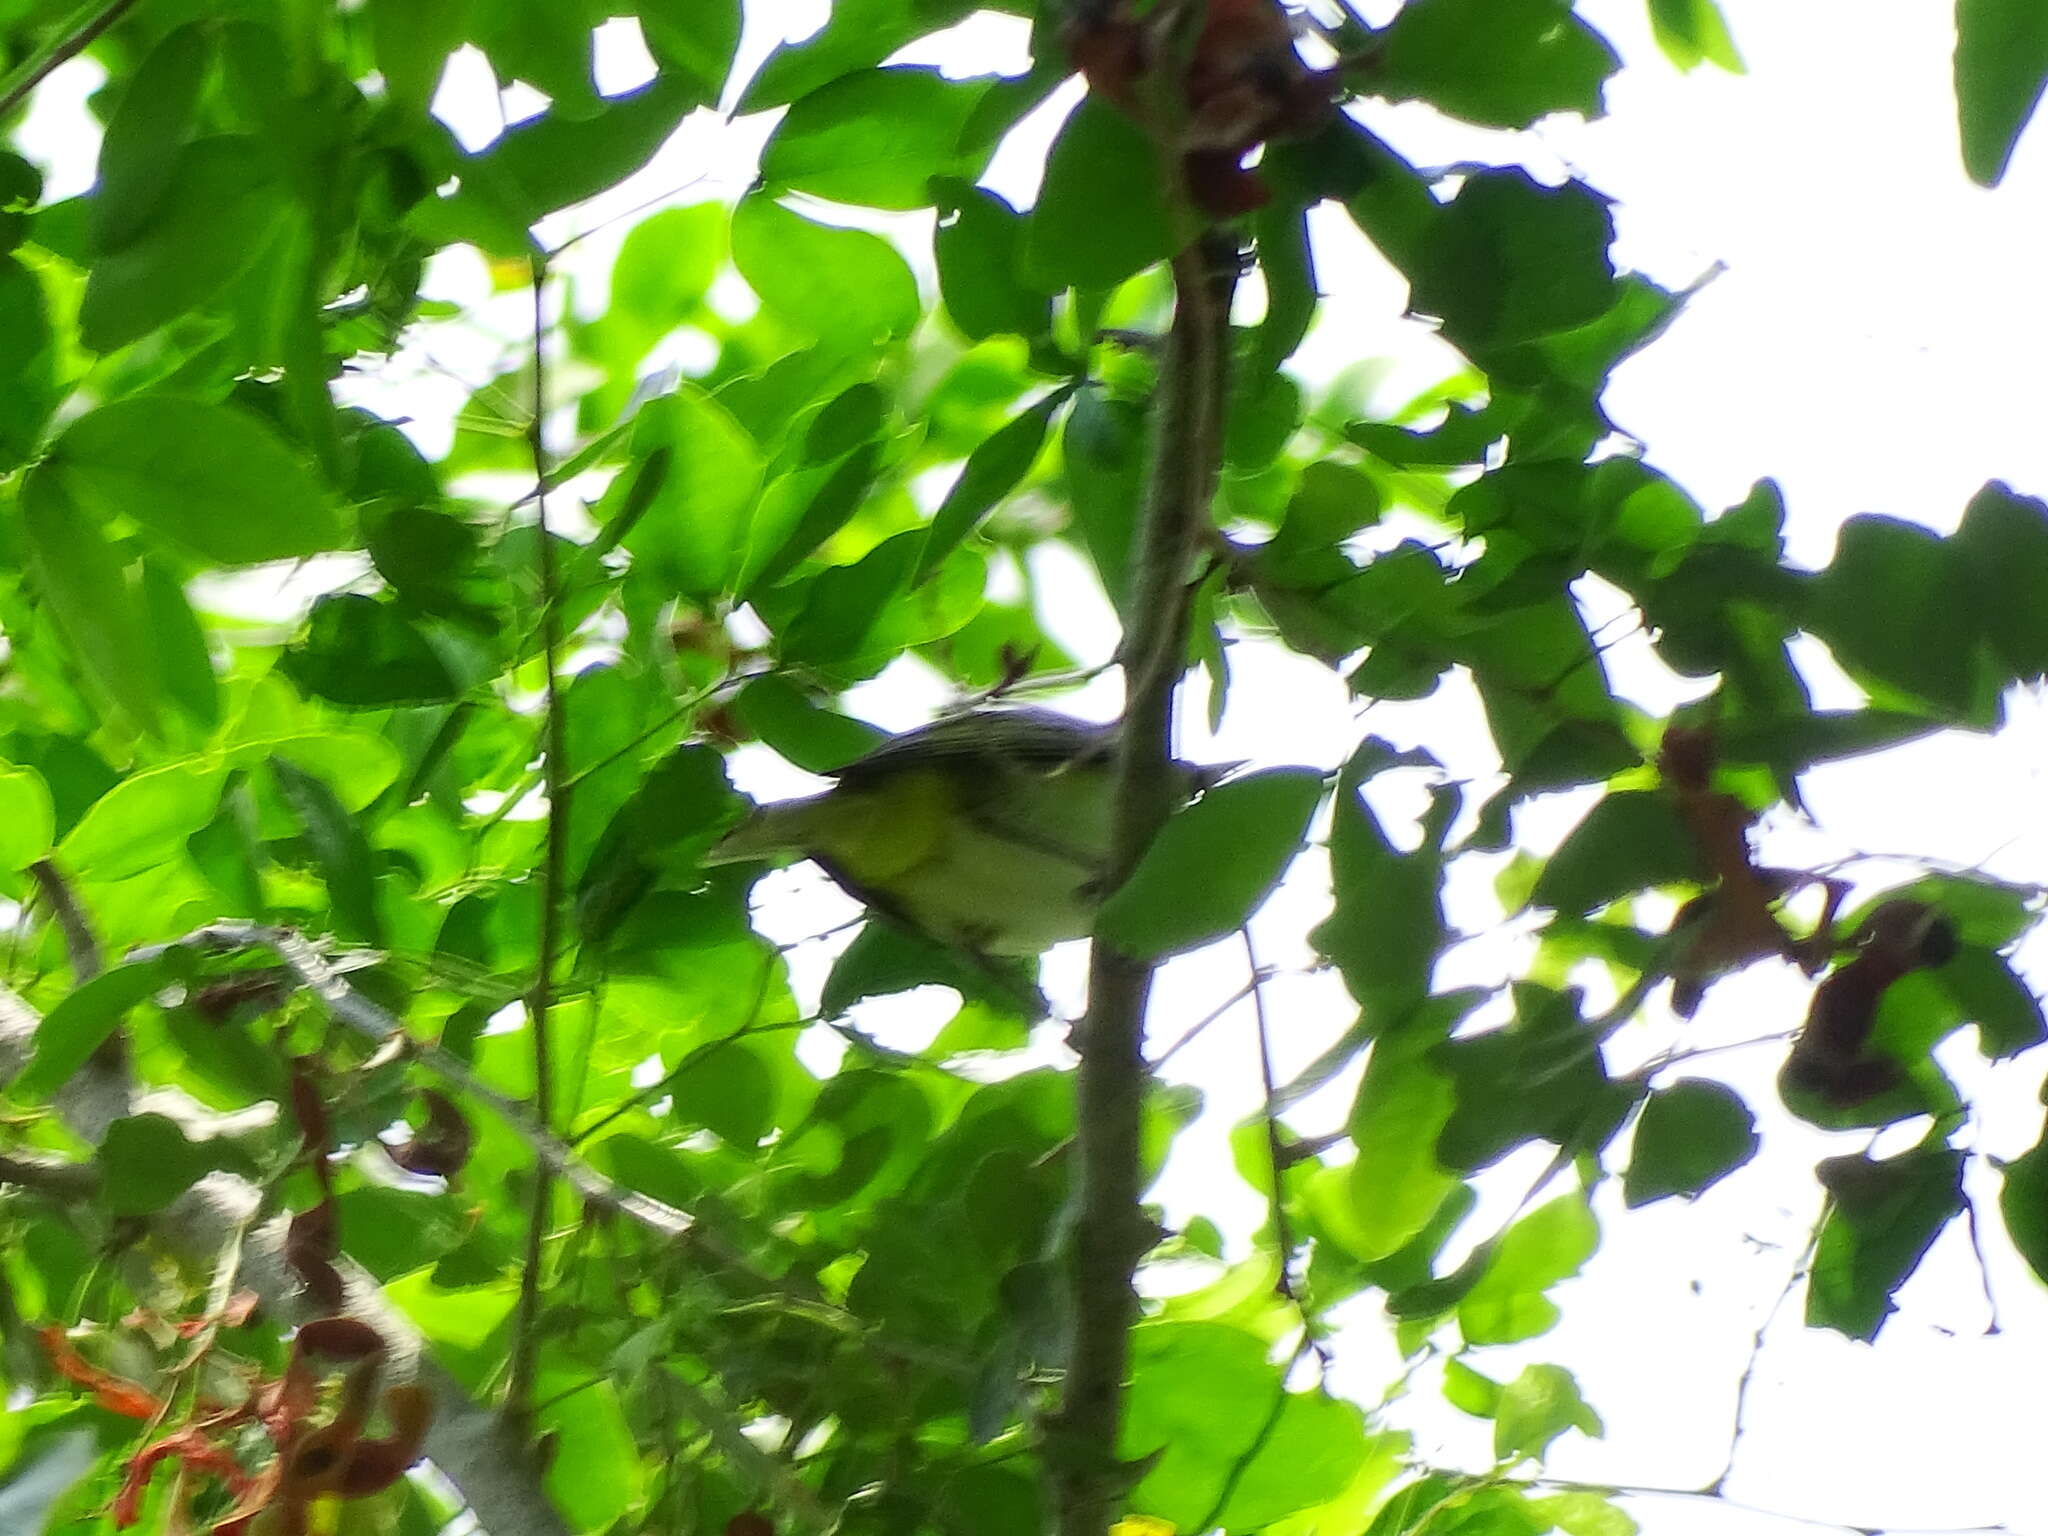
1872,345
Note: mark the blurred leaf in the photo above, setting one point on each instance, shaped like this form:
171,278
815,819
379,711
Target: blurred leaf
1510,261
2023,1201
844,284
2001,67
876,137
216,214
1101,215
694,529
147,1162
28,389
184,666
1630,841
1887,606
1500,63
81,579
856,34
1103,448
147,133
1692,1135
143,820
2003,542
411,41
339,850
211,477
814,738
362,653
1692,32
1509,1302
1988,993
1535,1408
28,821
1213,864
1388,923
992,472
79,1025
1396,1185
693,38
979,250
1883,1218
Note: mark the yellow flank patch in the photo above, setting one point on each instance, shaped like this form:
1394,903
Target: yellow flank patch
880,831
1142,1525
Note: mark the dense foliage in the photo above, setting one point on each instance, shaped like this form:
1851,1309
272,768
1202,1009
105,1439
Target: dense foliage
423,847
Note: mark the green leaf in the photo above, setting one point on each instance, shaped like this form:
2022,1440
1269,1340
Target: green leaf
1101,215
146,134
729,1092
1288,265
1883,1218
595,1475
183,662
800,510
79,1025
411,41
856,34
28,820
979,249
1692,32
1213,864
1396,1184
682,804
1631,841
1102,447
361,653
548,162
1388,924
81,579
217,213
884,959
2007,1014
1200,1394
815,739
845,284
992,472
143,820
1582,1513
2003,542
876,137
339,849
1692,1135
845,603
694,530
211,477
1468,1391
1888,607
2023,1201
147,1162
1510,262
1550,1244
2001,68
665,266
694,38
1535,1408
28,386
1500,63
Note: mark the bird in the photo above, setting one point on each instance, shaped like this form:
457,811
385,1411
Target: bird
988,831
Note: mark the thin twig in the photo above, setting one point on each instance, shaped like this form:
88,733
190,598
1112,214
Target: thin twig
1756,1350
554,867
84,29
1653,1491
1276,1152
81,946
1110,1233
69,1182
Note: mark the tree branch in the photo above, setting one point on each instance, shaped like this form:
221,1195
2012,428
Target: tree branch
1110,1234
81,946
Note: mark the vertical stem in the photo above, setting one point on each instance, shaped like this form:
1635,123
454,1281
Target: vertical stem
554,776
1110,1234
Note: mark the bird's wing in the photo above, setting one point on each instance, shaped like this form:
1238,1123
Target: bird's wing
1038,738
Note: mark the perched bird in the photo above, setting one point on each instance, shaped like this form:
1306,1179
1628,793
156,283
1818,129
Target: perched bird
987,831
